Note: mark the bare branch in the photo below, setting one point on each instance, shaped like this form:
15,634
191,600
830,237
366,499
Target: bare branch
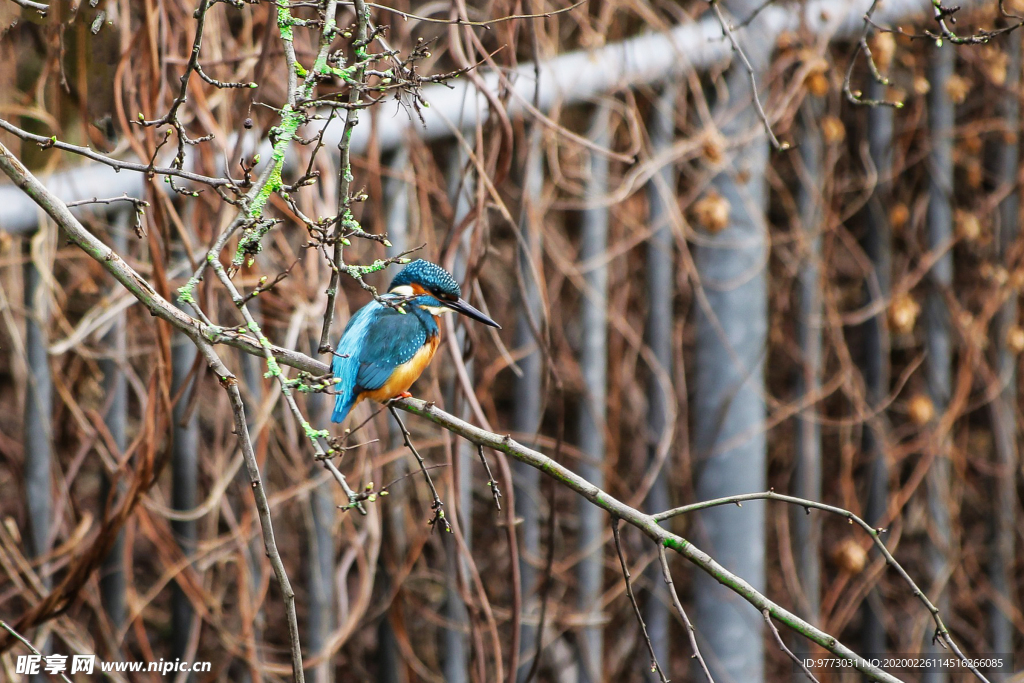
117,164
27,643
646,523
491,481
941,632
782,645
667,574
40,7
655,667
855,97
727,30
437,506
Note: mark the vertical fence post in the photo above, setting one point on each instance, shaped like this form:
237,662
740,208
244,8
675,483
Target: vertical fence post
184,475
938,338
592,413
875,358
38,415
807,475
321,548
397,190
526,415
729,386
115,388
1004,409
252,396
456,662
661,193
38,407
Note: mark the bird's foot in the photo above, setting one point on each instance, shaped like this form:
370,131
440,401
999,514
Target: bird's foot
404,394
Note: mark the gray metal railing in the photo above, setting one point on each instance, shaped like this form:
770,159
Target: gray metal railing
567,79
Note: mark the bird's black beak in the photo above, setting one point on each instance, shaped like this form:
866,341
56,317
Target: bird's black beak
465,309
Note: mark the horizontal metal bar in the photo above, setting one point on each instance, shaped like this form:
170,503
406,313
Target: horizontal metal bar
570,78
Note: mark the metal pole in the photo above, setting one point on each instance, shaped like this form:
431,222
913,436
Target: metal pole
1003,409
184,474
38,418
526,416
807,474
938,339
115,386
878,245
592,413
660,293
729,385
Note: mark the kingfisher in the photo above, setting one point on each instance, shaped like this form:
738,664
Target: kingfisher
386,346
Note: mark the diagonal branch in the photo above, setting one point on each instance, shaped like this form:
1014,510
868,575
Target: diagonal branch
27,643
667,575
941,632
647,524
655,667
782,646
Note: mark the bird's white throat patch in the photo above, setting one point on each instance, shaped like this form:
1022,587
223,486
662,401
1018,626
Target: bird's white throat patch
403,290
436,310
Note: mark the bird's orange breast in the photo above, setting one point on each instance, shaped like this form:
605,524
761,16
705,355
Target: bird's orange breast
405,374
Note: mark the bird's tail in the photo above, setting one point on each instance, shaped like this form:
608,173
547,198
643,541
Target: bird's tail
344,368
343,403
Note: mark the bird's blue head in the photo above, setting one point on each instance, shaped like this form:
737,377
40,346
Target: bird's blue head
432,278
423,278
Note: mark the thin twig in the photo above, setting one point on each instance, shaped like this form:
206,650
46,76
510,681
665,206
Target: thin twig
753,15
655,667
983,36
138,205
491,482
40,7
690,631
26,643
782,645
370,494
117,164
437,506
197,41
738,49
862,46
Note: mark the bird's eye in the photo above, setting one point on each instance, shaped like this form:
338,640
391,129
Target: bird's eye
443,296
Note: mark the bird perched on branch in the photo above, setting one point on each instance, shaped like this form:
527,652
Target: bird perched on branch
386,346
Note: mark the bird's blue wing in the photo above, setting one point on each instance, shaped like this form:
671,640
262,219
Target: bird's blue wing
392,339
376,340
